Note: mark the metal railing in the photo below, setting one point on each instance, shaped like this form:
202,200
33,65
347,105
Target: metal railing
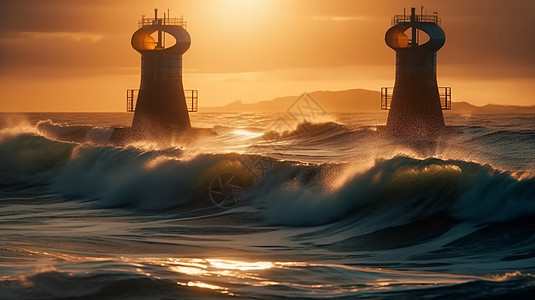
445,97
131,99
386,97
192,100
444,94
418,18
162,21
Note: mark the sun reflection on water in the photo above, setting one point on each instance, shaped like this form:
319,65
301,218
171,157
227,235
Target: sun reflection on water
239,265
247,134
232,277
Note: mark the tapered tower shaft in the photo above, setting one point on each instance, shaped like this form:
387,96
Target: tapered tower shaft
415,107
161,109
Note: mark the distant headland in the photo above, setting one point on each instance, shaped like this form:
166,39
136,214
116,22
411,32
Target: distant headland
356,100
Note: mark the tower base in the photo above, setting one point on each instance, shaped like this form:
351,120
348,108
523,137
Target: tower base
122,136
424,134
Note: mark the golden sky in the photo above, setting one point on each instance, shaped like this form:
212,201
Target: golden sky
64,55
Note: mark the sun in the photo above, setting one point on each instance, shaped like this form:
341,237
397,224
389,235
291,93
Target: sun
238,12
240,7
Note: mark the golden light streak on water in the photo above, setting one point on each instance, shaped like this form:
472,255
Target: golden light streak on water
188,270
246,134
239,265
225,275
205,285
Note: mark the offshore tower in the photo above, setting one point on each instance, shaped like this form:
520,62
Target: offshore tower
160,105
416,102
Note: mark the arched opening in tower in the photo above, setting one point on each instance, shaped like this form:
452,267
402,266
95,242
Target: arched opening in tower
406,39
168,40
153,40
420,37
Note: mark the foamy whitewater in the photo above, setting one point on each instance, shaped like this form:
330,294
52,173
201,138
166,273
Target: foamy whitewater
259,205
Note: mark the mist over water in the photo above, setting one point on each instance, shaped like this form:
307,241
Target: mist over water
262,206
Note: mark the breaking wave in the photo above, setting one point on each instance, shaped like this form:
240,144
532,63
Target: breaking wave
392,190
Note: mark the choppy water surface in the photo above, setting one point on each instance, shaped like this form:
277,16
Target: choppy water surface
262,206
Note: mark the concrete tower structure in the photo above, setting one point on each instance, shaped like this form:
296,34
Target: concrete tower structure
161,111
416,101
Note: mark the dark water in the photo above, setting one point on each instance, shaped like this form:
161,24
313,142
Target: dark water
261,206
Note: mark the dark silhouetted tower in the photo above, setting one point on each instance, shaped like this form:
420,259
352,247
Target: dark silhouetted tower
416,102
161,110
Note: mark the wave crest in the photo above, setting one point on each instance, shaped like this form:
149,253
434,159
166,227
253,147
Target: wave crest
398,190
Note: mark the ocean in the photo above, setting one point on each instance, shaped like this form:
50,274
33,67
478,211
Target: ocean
267,206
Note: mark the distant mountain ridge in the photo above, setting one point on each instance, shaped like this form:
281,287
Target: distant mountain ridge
354,100
461,107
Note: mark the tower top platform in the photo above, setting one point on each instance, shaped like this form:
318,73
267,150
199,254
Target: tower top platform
162,21
405,19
